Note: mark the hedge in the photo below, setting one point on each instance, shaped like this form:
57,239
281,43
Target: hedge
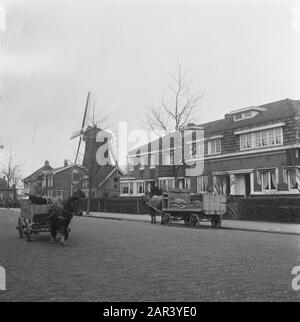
272,209
116,205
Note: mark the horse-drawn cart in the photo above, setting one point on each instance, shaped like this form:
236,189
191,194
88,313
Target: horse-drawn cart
179,204
34,219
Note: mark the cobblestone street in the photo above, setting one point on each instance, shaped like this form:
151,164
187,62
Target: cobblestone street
110,260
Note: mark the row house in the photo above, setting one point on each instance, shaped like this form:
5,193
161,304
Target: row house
62,182
251,151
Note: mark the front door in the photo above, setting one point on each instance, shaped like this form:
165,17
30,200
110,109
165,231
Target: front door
247,185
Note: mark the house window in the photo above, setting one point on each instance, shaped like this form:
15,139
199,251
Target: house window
184,183
130,165
143,161
131,188
166,184
202,183
124,188
246,141
268,180
166,158
292,178
140,187
214,146
50,181
153,160
172,158
181,183
238,117
187,183
75,176
85,182
278,136
244,115
266,138
248,114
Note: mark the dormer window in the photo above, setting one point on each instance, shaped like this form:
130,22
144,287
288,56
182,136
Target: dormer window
238,117
246,113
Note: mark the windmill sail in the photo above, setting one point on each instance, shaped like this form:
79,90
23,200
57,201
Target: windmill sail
81,132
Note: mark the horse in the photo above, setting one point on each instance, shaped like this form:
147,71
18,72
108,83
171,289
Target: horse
154,202
60,219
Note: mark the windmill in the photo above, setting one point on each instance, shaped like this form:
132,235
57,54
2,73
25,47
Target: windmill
80,132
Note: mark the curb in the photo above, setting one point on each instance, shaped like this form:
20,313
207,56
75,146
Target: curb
291,233
224,228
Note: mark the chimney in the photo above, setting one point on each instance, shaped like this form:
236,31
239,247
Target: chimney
66,163
47,163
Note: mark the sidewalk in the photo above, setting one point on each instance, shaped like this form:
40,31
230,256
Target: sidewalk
256,226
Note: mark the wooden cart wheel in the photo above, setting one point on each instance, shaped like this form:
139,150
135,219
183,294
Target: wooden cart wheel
216,222
167,219
219,223
186,220
20,228
194,220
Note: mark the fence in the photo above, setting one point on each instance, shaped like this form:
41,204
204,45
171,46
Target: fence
116,205
10,204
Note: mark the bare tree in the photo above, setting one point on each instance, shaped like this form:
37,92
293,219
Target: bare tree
10,167
176,109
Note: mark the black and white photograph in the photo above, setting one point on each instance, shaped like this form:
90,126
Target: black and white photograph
149,154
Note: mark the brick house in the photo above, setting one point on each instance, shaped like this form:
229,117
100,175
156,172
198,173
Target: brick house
59,182
252,151
7,193
33,182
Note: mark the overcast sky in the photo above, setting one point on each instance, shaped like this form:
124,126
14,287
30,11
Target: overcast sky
238,53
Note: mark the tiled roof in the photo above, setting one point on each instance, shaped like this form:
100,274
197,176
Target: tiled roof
57,170
270,113
35,174
102,173
274,111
